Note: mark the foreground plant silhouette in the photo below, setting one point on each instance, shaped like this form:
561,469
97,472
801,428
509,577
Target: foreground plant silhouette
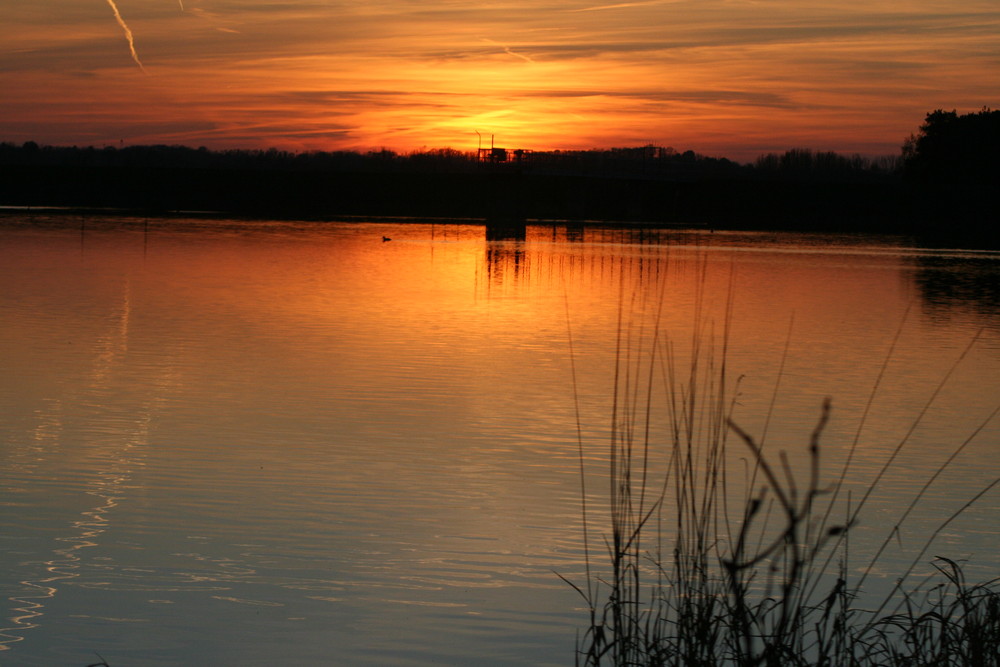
694,578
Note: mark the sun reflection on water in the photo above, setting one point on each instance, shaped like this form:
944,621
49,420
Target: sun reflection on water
303,432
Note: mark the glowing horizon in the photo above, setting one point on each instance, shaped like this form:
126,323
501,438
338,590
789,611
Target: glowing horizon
733,78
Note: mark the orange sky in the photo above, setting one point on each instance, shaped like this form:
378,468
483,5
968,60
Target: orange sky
733,78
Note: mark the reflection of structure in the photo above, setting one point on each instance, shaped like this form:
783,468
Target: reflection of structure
505,261
505,253
500,229
517,254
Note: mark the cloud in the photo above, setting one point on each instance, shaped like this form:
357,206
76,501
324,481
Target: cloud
405,72
620,5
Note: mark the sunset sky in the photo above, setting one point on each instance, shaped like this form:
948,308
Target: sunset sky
733,78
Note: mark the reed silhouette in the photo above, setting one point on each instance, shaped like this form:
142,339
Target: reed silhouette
697,570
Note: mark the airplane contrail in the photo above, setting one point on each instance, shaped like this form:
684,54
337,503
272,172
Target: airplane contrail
508,50
620,5
523,57
128,36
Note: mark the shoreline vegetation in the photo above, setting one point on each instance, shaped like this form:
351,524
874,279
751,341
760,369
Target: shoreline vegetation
944,184
696,558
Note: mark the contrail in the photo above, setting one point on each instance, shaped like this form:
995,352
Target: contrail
508,50
128,36
620,5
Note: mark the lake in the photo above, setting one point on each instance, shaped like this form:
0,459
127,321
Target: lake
268,442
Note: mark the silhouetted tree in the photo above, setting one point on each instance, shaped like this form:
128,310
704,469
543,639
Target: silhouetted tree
953,167
953,147
805,164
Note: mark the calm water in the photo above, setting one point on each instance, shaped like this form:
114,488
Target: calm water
278,443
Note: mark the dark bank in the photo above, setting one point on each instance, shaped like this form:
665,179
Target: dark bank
942,186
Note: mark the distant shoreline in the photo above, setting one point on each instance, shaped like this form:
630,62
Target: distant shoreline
717,200
87,212
943,186
668,194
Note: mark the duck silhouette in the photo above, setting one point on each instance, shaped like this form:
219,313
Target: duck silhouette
385,238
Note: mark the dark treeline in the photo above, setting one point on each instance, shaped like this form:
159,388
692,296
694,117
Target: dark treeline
945,177
648,183
644,161
952,172
804,164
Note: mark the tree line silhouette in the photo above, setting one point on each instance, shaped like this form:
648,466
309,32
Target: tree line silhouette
952,168
945,178
650,160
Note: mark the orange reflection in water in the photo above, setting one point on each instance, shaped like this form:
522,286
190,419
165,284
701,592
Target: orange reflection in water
344,428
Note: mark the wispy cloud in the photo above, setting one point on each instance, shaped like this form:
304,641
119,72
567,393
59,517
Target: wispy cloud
723,76
620,5
128,35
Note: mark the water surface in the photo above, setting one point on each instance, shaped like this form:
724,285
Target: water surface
230,442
